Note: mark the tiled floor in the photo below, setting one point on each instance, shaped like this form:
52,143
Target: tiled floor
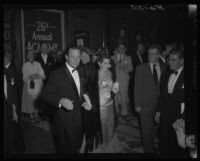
39,138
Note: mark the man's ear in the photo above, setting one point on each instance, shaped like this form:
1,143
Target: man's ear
66,56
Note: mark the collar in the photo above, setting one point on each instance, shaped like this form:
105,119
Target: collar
44,55
180,69
157,64
7,65
138,53
71,69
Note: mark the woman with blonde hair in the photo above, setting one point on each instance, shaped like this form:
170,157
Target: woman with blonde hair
33,75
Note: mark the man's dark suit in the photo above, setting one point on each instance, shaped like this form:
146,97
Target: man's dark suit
48,67
135,61
170,108
146,94
69,124
14,142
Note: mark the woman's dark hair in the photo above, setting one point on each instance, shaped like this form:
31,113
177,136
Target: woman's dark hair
103,56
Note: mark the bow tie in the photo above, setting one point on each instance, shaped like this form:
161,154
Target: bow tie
74,70
174,72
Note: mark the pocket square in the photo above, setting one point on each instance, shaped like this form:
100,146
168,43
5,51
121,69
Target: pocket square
182,86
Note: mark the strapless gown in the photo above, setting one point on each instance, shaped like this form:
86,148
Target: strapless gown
106,111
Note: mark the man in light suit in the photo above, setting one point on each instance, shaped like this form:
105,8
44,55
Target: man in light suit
123,66
146,93
64,90
171,105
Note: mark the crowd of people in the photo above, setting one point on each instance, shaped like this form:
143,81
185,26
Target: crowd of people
83,93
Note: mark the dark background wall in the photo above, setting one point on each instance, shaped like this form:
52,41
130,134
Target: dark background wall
103,23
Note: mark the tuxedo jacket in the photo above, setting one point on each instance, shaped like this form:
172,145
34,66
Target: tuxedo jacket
170,104
61,85
48,67
11,92
146,92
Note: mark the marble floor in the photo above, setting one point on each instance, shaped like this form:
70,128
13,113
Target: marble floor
39,138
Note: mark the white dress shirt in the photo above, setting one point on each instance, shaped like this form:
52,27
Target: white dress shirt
157,69
44,57
172,80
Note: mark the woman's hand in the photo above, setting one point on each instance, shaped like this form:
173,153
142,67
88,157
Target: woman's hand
115,88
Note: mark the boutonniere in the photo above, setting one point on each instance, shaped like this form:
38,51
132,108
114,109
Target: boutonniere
12,81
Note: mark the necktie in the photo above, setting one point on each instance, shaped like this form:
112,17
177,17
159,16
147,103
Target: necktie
155,75
174,72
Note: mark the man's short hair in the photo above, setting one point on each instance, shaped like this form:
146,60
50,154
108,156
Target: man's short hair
156,46
177,52
73,46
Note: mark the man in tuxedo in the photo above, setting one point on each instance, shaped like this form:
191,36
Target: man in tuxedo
48,64
171,104
13,142
64,90
146,93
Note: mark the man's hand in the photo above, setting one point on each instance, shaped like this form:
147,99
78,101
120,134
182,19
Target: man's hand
157,117
86,106
190,141
179,124
138,109
66,103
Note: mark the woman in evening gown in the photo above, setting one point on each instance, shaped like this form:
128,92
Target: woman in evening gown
101,123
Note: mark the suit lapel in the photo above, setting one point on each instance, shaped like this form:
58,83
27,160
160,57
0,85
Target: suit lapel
150,74
81,87
42,61
179,81
71,79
